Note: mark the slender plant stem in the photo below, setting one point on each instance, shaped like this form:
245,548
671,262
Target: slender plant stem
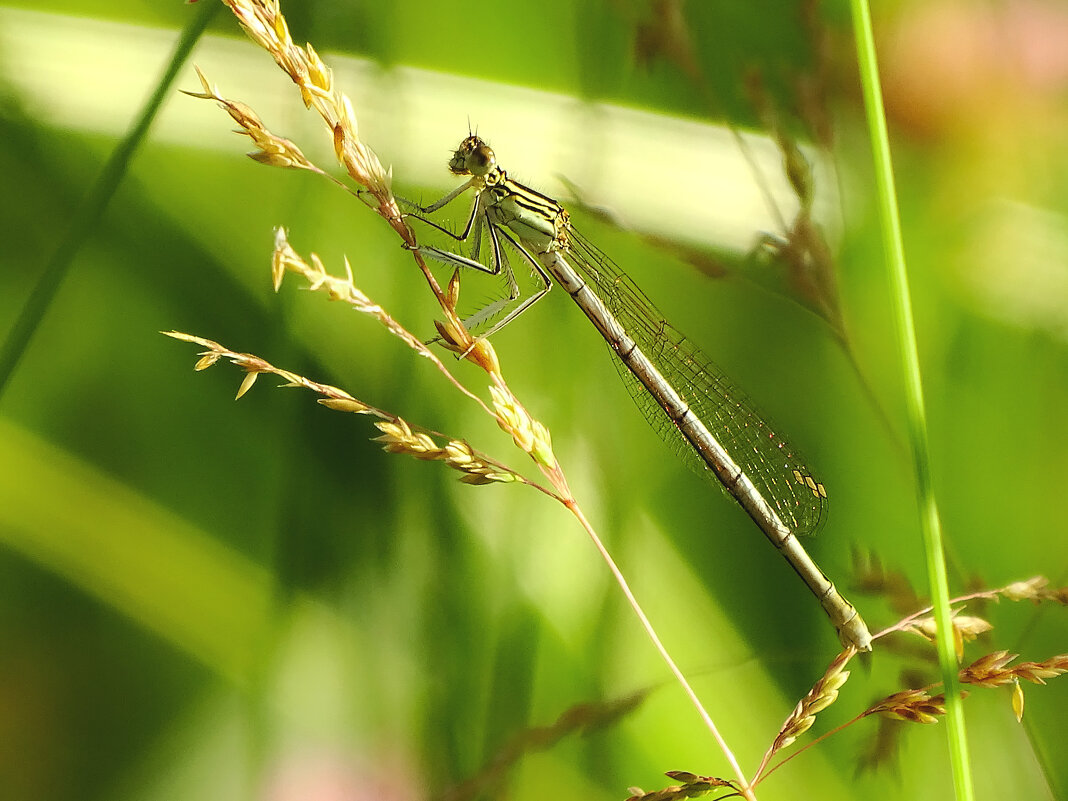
746,791
92,208
898,277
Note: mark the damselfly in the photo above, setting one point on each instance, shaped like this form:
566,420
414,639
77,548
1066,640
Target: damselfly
687,399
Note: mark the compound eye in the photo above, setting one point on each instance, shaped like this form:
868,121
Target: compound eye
482,159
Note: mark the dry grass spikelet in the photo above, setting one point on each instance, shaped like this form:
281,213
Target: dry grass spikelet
993,670
454,336
989,670
263,22
690,785
1037,672
1035,589
823,693
458,455
272,150
1028,590
1018,701
528,434
285,259
965,629
350,405
254,366
399,437
920,706
483,354
265,25
913,706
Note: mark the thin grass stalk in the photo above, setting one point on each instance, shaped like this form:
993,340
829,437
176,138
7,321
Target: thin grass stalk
92,208
902,308
746,789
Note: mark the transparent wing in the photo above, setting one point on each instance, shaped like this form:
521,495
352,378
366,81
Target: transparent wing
778,470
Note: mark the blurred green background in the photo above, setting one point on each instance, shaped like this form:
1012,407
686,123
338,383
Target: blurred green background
202,599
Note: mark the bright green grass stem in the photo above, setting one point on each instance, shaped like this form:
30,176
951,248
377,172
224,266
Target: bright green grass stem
929,523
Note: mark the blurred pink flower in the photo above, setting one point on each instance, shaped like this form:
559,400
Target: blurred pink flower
324,776
947,62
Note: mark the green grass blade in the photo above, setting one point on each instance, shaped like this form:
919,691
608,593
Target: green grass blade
134,555
917,422
90,211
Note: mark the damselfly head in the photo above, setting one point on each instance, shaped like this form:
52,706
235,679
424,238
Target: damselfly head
472,157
